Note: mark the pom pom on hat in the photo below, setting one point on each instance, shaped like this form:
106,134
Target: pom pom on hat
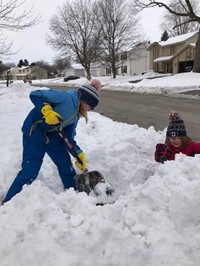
174,115
96,83
176,126
89,93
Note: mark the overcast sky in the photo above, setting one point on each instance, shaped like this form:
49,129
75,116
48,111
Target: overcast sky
31,43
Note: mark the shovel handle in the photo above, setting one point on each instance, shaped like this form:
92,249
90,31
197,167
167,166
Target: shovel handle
69,145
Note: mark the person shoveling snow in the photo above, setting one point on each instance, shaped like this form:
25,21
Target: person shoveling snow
40,135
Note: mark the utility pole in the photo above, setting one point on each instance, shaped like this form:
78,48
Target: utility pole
7,78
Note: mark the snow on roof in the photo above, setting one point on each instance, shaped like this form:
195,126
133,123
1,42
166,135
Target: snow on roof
163,58
96,64
192,44
177,39
77,66
173,40
20,75
24,67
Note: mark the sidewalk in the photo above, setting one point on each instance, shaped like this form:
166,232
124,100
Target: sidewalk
195,92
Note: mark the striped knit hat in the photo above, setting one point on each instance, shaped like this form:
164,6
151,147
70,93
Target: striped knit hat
89,93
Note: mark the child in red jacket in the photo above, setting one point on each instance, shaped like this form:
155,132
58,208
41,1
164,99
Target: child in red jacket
176,141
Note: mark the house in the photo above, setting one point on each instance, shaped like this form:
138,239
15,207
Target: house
26,73
12,72
75,70
174,55
97,69
37,72
134,61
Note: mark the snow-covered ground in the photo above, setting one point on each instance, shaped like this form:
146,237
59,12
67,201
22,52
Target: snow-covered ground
155,219
150,82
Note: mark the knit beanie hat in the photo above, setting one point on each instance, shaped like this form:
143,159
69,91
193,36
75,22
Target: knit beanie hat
176,126
89,93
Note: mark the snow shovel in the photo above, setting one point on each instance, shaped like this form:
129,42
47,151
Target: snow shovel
87,181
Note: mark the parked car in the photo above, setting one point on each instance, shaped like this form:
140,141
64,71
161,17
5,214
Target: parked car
188,68
70,78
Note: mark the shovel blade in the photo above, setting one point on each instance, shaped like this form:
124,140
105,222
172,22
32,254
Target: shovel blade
87,181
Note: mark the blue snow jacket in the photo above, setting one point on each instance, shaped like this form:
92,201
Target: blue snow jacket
65,103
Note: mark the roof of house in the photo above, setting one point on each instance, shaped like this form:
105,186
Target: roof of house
176,39
95,65
77,66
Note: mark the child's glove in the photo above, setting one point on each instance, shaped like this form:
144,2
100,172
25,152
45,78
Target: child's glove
160,147
82,165
163,152
50,116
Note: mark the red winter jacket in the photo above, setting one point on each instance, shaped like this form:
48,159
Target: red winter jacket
191,149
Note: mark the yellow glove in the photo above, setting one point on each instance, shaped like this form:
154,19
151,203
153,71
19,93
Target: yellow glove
81,166
50,116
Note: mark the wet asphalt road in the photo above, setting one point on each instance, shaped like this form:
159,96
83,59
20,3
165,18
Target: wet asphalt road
149,109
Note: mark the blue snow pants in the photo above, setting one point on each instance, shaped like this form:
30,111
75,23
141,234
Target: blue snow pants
34,150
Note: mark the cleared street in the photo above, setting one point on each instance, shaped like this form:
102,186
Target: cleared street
150,110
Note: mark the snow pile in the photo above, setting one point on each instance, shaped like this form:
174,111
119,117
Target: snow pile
154,221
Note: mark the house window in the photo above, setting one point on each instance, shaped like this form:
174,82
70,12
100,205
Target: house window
124,69
155,52
108,71
117,57
188,54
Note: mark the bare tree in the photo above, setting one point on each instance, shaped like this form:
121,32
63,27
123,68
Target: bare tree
187,11
3,67
10,20
74,31
119,31
14,17
4,47
177,25
61,63
10,64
